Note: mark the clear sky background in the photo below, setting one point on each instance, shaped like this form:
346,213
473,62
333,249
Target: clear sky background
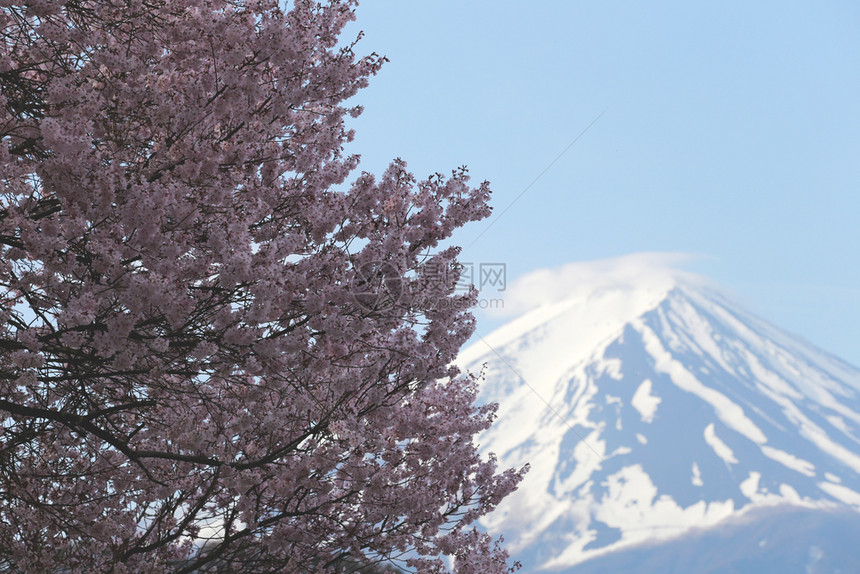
729,130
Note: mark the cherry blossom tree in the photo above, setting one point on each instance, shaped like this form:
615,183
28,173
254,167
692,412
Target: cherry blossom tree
216,348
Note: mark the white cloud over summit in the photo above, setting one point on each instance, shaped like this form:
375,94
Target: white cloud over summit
649,270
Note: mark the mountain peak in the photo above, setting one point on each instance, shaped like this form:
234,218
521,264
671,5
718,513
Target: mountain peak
583,303
649,406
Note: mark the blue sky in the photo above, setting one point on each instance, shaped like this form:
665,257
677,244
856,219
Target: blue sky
729,130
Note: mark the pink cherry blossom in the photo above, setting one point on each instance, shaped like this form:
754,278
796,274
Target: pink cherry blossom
188,379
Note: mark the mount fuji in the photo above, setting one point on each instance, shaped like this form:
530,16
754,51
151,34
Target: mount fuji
668,430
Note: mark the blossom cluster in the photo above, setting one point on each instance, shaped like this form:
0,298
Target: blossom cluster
187,380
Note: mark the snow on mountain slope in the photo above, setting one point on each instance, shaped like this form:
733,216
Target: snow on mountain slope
649,409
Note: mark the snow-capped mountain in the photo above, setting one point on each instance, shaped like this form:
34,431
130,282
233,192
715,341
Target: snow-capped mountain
656,409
